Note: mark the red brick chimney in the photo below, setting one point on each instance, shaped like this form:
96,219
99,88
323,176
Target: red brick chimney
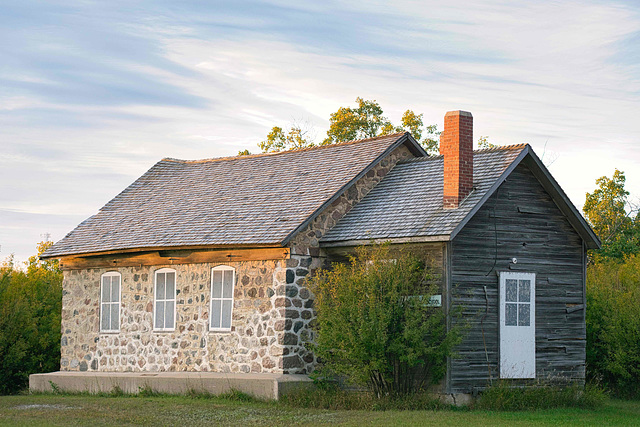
456,144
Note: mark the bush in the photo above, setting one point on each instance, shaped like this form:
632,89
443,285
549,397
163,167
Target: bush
504,397
613,325
375,324
30,308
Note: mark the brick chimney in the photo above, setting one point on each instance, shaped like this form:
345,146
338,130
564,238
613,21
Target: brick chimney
456,144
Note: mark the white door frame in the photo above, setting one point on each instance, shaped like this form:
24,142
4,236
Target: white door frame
517,324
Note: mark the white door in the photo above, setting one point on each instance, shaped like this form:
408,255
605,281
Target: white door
517,325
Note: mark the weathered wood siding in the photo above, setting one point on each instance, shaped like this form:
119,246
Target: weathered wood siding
520,220
432,252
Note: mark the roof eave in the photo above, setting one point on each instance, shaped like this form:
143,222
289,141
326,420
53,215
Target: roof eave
391,240
160,248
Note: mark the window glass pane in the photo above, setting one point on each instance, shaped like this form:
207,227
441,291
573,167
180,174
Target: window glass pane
160,286
226,314
228,284
524,312
215,313
169,314
115,317
115,289
106,289
170,289
525,291
217,284
104,315
159,315
511,287
510,314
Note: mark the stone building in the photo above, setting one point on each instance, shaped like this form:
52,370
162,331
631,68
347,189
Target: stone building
200,266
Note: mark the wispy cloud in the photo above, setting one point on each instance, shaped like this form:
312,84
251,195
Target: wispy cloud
93,93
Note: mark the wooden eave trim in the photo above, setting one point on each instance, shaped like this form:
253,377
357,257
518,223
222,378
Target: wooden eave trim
396,240
173,257
162,248
406,138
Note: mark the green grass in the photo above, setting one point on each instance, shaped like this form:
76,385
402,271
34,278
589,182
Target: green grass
83,410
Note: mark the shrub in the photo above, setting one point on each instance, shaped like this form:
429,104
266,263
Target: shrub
613,325
375,324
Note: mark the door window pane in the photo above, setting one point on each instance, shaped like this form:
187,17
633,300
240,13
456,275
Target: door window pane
511,318
524,315
511,290
524,291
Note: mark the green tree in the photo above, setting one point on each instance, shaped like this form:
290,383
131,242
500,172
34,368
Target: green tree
375,324
30,309
367,120
613,325
278,140
483,143
613,219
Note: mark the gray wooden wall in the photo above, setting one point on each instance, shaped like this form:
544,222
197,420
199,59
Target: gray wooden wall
519,221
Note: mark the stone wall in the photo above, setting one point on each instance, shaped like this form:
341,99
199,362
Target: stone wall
253,345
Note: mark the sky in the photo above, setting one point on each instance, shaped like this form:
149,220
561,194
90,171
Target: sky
93,93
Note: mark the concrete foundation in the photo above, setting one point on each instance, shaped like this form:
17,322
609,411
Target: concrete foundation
263,386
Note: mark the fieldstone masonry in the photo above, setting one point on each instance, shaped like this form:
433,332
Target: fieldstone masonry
272,317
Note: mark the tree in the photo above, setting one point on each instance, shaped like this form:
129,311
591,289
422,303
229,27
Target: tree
278,140
613,325
375,323
483,143
30,309
367,120
613,218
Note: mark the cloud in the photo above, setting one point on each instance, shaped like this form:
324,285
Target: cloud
92,94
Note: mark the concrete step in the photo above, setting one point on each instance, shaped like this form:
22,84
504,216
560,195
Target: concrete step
263,386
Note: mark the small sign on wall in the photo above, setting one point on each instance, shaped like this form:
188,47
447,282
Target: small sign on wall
435,301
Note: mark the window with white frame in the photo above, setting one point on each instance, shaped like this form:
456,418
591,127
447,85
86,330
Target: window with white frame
164,307
223,279
110,302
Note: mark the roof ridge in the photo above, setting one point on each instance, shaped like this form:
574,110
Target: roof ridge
317,147
481,151
502,147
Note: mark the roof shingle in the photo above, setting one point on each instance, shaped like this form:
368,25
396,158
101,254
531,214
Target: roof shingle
408,201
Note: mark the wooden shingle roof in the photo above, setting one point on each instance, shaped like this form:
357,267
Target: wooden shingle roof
245,200
408,202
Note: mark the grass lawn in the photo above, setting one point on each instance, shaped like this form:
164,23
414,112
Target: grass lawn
38,410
